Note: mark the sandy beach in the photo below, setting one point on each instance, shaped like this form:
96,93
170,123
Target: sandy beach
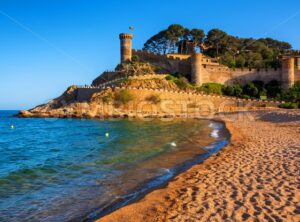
254,178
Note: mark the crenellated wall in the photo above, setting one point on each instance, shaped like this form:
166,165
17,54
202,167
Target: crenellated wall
166,64
226,75
201,69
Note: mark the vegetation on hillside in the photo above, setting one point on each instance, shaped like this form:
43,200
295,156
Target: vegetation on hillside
252,90
123,96
155,99
136,67
229,50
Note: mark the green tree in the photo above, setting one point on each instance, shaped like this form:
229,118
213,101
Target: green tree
216,40
228,90
175,33
232,51
197,37
214,88
240,61
251,90
273,89
238,91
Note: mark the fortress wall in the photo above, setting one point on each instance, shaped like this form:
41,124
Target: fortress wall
172,65
149,57
297,75
182,67
149,76
185,104
245,76
107,76
226,75
179,56
85,94
211,71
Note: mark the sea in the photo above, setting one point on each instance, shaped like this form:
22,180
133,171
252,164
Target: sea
78,170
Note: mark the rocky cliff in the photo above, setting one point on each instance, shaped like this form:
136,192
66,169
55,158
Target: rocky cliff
140,97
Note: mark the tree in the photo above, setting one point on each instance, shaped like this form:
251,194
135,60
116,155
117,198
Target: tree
158,43
197,37
216,39
240,61
175,33
166,40
250,90
230,50
273,88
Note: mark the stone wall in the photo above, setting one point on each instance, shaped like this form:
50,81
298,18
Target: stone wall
183,104
166,65
85,94
226,75
106,77
297,75
211,71
149,76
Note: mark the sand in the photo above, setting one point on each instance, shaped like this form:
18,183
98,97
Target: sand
254,178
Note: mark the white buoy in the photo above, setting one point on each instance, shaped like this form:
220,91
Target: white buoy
106,134
12,126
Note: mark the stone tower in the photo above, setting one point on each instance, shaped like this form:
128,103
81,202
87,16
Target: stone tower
196,66
298,62
288,72
126,46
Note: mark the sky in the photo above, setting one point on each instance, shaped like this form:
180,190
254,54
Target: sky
48,45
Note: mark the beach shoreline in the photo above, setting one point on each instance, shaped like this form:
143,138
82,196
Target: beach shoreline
221,138
253,177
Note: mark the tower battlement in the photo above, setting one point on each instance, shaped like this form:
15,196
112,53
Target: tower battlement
125,36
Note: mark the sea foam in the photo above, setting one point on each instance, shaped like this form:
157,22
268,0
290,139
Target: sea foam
216,129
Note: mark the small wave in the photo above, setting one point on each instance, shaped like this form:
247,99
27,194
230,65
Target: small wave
173,144
216,129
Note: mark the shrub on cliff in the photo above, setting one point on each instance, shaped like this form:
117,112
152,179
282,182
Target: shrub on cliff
289,105
238,90
135,58
171,78
233,90
273,89
153,99
182,83
123,96
228,90
251,90
214,88
107,98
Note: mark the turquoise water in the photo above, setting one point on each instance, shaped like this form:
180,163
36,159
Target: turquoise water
71,169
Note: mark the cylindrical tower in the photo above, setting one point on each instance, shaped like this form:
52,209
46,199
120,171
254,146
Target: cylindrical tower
288,72
196,66
126,46
298,62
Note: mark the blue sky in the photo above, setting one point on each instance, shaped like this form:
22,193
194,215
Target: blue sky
47,45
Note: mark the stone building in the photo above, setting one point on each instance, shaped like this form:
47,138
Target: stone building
202,69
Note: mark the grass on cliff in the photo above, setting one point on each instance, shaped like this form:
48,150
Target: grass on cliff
180,81
155,99
252,90
107,98
289,105
123,96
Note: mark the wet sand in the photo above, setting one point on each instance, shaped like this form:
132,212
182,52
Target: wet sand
254,178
